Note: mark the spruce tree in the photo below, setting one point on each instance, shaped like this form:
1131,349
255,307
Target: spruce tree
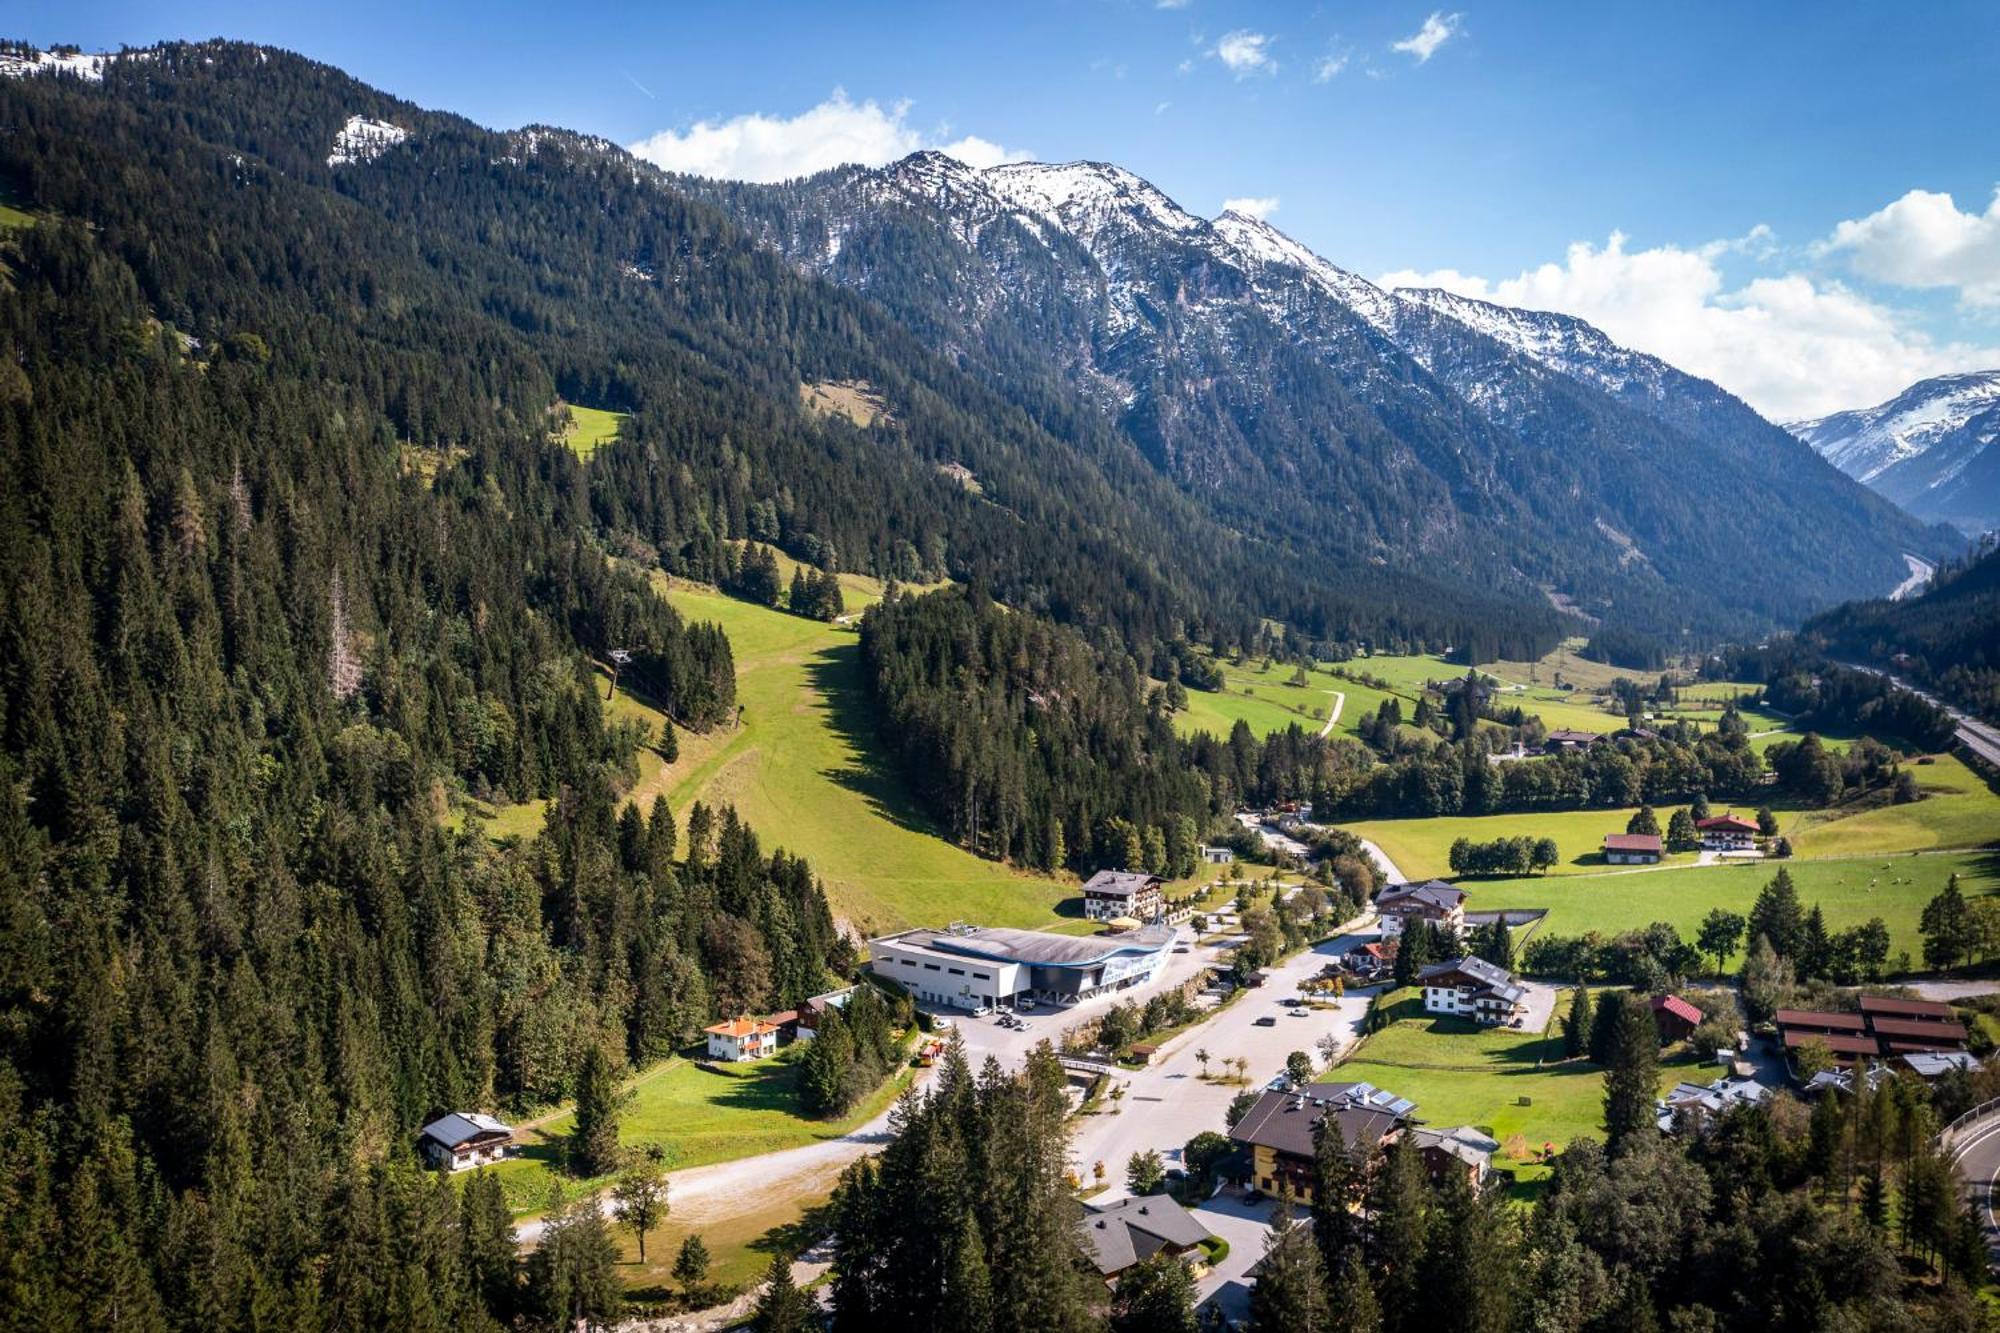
1632,1080
593,1139
1577,1026
1289,1295
781,1306
1336,1190
691,1265
1155,1295
1399,1235
1352,1302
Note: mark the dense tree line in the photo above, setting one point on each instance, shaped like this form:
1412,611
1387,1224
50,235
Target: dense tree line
274,596
1947,639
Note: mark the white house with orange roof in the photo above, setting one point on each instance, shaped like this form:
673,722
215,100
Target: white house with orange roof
742,1039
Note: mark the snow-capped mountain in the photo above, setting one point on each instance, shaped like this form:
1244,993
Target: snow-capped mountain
1930,448
1295,397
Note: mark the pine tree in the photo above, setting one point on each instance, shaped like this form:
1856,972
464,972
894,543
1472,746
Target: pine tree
1155,1295
1577,1026
593,1139
1399,1235
691,1265
781,1306
1336,1194
1632,1080
1777,916
1289,1295
1352,1302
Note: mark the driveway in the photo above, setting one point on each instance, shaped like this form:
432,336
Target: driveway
1244,1226
1168,1102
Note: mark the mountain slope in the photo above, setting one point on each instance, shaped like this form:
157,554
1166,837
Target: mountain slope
1306,406
1947,637
1930,448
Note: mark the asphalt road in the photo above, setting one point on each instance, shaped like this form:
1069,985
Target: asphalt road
1979,1162
1973,734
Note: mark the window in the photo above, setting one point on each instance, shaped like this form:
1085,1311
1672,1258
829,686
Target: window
908,962
931,967
982,976
956,971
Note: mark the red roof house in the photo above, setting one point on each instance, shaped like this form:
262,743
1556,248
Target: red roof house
1675,1017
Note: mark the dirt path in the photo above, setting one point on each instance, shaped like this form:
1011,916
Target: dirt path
1333,714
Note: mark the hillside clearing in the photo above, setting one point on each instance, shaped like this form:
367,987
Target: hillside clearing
588,429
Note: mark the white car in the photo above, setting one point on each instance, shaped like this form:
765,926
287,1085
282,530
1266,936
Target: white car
982,1011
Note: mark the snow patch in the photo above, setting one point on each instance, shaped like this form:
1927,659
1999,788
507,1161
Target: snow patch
363,140
89,68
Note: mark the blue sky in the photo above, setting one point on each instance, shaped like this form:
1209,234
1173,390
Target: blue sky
1704,156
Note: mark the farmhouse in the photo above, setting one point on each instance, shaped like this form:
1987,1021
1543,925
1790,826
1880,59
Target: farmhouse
1278,1131
1115,893
1632,849
464,1139
1472,988
1560,740
1726,833
742,1039
1119,1235
969,967
1434,901
1674,1017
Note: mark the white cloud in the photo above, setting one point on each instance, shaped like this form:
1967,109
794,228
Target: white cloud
1328,67
757,147
1792,346
1259,207
1172,4
1922,240
1438,29
1245,53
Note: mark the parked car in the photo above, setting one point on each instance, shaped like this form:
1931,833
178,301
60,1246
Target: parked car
1267,1021
982,1011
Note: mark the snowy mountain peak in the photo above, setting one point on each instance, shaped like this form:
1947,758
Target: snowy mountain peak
1081,197
1261,243
1934,448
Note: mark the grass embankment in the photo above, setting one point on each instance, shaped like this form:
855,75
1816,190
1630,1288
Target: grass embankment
698,1116
804,769
1504,1081
588,429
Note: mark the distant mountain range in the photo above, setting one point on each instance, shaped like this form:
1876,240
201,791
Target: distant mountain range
1930,448
1304,404
1090,399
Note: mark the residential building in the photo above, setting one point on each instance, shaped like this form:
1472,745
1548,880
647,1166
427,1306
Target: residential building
1562,739
1473,988
1675,1018
1690,1105
1434,901
970,967
1277,1131
1116,893
1726,833
1931,1066
1885,1028
464,1139
1632,849
742,1039
814,1011
1119,1235
1463,1150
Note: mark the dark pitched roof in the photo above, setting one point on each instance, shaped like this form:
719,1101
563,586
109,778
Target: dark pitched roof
1905,1029
1726,824
1431,893
1284,1121
1891,1008
1679,1008
1120,1234
465,1127
1818,1020
1119,883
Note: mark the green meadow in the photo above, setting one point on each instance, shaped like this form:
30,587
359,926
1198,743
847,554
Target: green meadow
588,429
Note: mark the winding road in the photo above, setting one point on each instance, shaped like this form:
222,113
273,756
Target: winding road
1975,1148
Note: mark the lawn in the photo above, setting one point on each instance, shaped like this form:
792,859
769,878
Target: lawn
804,769
739,1247
1461,1074
1849,891
1421,848
699,1115
522,819
589,429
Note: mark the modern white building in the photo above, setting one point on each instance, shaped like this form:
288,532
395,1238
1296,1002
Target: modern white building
967,967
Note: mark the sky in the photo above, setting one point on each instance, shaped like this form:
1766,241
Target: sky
1800,201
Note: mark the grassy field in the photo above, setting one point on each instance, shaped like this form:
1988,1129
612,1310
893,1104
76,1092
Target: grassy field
589,429
1421,848
1849,891
1461,1074
739,1247
1267,700
698,1115
804,769
11,216
1959,810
